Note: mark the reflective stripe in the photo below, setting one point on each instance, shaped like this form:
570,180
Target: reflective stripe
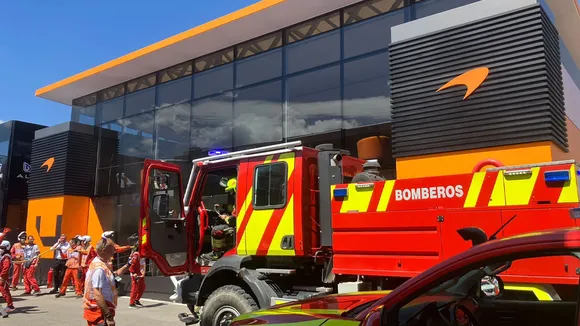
542,292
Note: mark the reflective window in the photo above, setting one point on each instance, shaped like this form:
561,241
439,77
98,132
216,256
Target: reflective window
431,7
141,101
270,186
313,52
174,92
111,110
215,81
258,115
109,136
137,138
314,102
366,91
173,124
368,9
84,115
313,27
371,35
211,123
259,68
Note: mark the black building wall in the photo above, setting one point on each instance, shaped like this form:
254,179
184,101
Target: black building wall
521,101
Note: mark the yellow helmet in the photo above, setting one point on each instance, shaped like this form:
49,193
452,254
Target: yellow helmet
230,184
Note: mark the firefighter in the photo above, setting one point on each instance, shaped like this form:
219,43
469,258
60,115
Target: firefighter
137,270
31,257
222,233
17,253
88,253
72,267
5,265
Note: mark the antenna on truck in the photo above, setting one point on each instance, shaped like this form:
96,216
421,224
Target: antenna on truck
493,236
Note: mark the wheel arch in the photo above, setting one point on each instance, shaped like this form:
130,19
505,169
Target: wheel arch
229,271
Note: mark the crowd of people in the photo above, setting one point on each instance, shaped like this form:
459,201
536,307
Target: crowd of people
89,268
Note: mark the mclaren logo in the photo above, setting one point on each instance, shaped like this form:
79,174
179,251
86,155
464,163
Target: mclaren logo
48,163
472,79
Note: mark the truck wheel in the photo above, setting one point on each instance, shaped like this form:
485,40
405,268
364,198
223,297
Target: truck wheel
225,304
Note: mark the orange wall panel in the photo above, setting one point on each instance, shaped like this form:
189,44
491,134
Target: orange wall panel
464,161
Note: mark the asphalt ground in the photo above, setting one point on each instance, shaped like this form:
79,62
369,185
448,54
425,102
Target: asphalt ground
46,310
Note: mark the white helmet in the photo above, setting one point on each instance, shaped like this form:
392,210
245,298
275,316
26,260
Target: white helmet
87,238
107,234
5,244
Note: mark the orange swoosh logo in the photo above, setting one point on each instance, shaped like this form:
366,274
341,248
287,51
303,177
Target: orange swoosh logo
472,79
48,163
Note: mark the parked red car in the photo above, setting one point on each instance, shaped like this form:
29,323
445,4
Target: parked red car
466,289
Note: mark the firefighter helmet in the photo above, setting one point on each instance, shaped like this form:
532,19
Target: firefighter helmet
5,244
22,235
229,185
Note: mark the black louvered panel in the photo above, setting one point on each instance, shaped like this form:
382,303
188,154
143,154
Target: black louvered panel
73,170
521,100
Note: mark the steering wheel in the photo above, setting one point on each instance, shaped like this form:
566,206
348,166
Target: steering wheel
461,316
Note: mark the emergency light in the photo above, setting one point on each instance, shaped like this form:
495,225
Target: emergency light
341,193
215,152
557,176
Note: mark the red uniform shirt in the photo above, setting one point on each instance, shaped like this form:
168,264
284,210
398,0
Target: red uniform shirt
135,267
5,267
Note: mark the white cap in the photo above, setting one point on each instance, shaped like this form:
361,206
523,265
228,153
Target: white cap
5,244
87,238
22,235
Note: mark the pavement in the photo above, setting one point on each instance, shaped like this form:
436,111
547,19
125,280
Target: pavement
46,310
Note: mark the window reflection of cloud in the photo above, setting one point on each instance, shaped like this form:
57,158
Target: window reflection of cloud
256,122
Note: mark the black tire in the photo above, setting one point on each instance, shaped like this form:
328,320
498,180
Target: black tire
227,299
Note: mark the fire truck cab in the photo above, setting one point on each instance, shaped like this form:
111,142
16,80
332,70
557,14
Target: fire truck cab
313,221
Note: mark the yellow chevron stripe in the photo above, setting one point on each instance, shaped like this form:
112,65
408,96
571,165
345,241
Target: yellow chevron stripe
386,195
268,159
569,192
474,189
358,199
241,249
519,188
498,194
286,227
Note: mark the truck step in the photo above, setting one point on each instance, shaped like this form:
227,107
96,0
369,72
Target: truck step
315,289
276,271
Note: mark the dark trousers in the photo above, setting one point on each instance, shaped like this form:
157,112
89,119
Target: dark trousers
58,270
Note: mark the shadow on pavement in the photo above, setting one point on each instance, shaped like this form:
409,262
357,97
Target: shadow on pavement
27,310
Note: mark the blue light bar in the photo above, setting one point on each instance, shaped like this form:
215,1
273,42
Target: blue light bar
340,193
215,152
557,176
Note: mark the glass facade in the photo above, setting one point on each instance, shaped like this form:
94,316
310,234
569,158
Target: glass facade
325,80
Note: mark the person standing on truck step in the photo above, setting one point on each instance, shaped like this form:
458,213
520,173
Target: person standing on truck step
60,256
17,253
88,253
31,257
137,270
72,267
220,234
100,295
5,265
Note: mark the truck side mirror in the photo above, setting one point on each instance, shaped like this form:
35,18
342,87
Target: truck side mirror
161,205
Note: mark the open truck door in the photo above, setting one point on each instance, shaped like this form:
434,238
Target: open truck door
164,228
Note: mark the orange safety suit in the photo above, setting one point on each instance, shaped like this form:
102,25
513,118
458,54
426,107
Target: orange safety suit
87,255
72,267
92,313
5,263
137,270
17,252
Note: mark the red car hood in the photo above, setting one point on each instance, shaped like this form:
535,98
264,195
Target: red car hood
312,311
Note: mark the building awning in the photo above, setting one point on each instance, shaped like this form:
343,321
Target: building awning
245,24
258,19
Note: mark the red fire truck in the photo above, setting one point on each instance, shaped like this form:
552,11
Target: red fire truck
313,221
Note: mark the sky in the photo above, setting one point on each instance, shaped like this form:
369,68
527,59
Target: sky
42,42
